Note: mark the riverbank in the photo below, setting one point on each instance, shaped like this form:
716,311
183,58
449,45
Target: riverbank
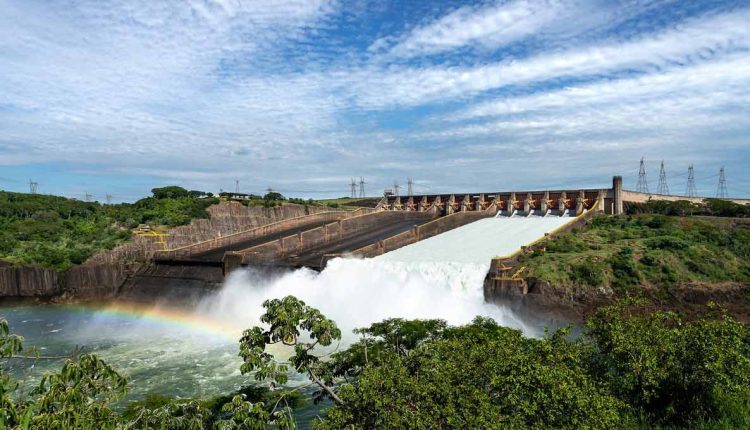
674,263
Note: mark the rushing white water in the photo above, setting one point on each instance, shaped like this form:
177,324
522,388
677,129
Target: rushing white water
479,241
356,293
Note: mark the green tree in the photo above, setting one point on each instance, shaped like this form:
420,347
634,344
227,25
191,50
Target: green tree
170,192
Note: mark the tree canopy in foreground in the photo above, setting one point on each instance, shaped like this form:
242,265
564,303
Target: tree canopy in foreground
627,369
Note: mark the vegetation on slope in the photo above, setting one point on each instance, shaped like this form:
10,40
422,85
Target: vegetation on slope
57,233
645,249
627,370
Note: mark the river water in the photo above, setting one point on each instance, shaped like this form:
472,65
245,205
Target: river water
192,352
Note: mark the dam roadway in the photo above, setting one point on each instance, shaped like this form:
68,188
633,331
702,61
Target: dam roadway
217,254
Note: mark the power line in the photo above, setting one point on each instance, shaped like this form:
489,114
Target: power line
361,187
691,191
642,182
410,191
663,188
353,189
721,191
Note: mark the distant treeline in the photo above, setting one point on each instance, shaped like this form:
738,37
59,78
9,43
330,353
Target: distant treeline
57,232
709,207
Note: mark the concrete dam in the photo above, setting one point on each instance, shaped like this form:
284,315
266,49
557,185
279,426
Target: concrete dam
482,227
487,227
510,219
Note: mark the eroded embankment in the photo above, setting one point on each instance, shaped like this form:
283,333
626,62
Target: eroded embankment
577,302
676,263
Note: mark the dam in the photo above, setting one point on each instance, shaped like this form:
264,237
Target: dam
488,227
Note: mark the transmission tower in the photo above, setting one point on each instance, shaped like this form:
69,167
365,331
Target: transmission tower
236,186
108,197
663,188
353,189
721,191
395,188
691,191
87,197
410,189
33,186
361,187
642,182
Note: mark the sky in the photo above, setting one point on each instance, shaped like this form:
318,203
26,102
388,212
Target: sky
117,97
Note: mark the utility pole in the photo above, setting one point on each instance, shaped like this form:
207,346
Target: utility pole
410,189
721,191
33,186
108,197
395,188
663,187
642,182
361,187
353,189
691,191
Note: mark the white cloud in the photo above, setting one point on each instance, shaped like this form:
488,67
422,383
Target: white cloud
696,41
491,25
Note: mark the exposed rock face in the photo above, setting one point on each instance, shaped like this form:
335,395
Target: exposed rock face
578,301
28,282
97,281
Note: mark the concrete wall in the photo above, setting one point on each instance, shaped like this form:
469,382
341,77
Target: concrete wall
226,218
424,231
328,233
253,233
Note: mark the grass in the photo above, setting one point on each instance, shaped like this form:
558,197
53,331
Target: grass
658,250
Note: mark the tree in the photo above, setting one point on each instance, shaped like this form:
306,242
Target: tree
286,319
170,192
273,196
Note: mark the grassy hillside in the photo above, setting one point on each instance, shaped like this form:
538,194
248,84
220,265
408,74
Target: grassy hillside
57,233
646,249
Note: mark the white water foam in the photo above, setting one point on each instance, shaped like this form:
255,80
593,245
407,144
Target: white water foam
480,241
358,292
440,277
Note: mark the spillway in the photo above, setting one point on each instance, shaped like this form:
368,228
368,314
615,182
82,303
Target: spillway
480,241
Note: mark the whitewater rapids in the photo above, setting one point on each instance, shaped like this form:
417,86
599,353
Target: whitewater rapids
440,277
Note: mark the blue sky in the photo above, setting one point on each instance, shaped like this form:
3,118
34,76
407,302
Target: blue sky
116,97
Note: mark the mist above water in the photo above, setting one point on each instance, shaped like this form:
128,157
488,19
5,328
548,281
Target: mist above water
357,292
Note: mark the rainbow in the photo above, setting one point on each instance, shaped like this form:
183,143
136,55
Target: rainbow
168,316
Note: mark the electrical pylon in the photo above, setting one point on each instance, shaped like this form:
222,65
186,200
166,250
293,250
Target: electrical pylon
353,189
642,182
663,188
395,188
691,191
410,189
361,187
721,191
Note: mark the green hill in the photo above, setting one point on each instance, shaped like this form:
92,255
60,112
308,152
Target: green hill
57,232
